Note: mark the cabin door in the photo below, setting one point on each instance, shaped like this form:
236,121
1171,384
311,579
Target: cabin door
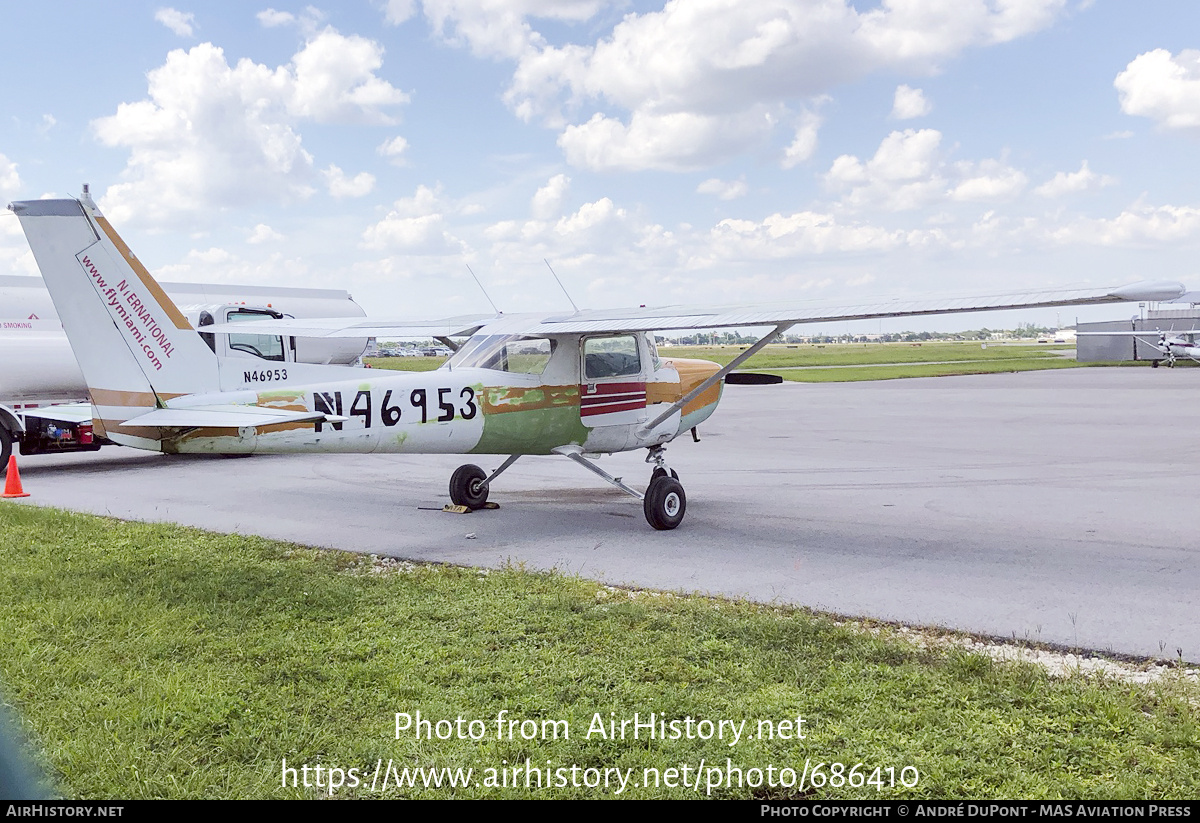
612,389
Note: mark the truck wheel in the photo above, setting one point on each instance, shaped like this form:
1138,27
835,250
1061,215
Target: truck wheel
6,444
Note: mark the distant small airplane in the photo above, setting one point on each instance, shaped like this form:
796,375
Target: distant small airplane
578,385
1172,345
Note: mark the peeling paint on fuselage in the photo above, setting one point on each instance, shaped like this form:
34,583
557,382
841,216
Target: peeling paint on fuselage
520,420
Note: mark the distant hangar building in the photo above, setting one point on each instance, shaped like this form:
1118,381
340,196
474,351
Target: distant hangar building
1180,315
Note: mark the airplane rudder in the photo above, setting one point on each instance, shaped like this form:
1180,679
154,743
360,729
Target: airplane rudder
127,334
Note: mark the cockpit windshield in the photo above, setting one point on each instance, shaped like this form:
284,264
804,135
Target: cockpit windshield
512,353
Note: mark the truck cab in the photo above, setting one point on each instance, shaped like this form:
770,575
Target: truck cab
274,347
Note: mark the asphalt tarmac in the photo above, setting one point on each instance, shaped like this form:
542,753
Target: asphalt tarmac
1055,506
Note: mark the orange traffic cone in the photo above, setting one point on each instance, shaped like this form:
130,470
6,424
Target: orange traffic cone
12,480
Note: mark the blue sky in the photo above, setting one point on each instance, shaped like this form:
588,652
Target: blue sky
701,151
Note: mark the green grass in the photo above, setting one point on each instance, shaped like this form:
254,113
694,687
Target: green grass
850,374
159,661
779,356
405,363
851,362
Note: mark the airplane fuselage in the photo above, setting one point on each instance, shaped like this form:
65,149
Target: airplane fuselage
447,411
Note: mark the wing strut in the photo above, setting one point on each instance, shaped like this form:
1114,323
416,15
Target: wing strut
646,428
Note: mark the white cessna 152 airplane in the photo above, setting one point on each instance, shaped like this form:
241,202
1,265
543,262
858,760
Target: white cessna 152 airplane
578,385
1171,345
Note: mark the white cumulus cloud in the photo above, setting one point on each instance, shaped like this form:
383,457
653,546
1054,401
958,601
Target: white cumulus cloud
10,181
678,141
1071,182
263,234
416,225
393,150
724,189
910,103
987,181
342,186
548,201
211,135
804,144
1163,87
177,21
721,65
307,21
909,171
1138,226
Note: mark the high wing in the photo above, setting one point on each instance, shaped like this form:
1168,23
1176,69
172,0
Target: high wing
697,317
682,317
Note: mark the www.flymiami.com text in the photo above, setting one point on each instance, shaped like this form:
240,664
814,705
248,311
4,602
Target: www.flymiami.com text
702,777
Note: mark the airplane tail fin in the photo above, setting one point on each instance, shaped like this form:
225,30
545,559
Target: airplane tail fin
134,346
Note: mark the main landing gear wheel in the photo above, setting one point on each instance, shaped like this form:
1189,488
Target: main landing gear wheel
6,444
665,502
466,487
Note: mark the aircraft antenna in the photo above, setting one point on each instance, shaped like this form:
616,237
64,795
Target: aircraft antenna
482,289
560,285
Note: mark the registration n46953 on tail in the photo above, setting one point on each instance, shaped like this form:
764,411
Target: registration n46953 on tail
578,384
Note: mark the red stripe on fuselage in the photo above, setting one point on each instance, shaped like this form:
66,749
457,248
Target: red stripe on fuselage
604,398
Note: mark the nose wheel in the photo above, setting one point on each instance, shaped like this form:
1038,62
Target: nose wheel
664,503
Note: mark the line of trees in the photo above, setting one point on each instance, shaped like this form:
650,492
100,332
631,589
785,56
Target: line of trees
1025,331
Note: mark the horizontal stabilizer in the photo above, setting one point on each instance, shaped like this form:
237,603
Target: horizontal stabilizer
66,412
221,417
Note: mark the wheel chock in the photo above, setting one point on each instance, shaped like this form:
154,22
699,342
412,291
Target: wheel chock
450,508
12,480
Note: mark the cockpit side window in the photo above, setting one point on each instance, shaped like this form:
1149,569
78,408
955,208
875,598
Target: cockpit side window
611,357
511,353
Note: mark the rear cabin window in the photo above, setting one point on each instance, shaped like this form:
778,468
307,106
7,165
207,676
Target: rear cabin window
611,357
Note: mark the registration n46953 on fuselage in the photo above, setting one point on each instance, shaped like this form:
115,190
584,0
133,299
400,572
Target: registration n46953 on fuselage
578,385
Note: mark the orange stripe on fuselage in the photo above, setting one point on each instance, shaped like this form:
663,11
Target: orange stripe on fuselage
501,399
111,397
